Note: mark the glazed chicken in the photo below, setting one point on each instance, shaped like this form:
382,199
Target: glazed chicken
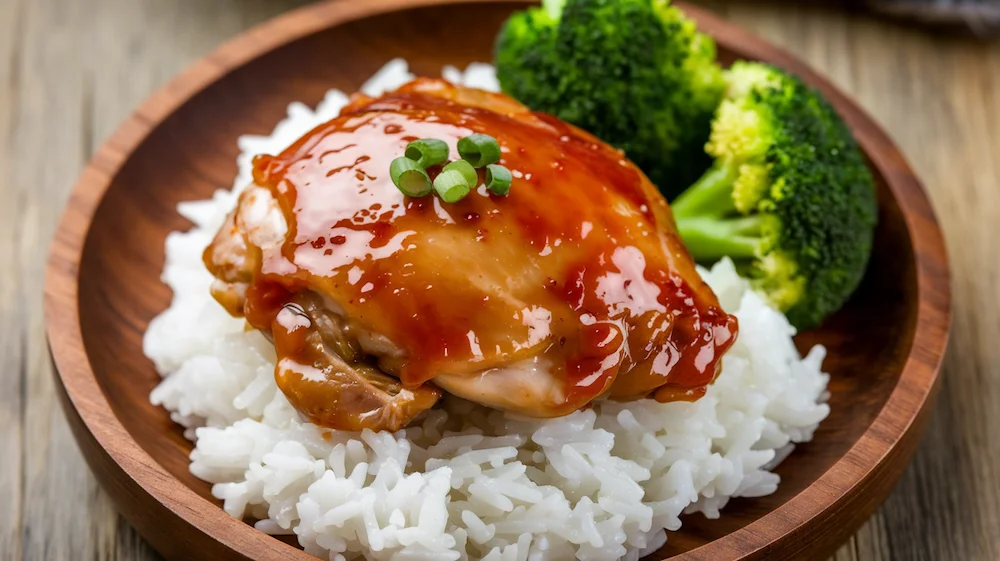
572,287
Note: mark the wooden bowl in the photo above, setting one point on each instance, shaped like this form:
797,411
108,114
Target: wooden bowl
102,285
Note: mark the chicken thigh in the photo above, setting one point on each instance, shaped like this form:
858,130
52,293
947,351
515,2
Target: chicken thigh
572,287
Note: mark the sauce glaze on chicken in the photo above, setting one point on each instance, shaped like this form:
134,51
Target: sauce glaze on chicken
573,286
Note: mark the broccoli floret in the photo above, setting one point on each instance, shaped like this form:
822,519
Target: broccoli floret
635,73
789,197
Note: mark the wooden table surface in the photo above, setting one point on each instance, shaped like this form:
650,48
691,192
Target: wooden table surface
71,70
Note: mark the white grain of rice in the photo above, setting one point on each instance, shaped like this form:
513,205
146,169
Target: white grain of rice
466,482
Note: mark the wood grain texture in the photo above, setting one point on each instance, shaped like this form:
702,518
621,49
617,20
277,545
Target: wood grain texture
938,98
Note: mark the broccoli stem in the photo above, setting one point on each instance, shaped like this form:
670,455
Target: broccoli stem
710,238
707,220
712,195
554,7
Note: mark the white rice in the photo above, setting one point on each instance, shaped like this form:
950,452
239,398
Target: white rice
466,482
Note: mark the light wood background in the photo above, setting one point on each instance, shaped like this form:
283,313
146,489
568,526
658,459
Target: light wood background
71,70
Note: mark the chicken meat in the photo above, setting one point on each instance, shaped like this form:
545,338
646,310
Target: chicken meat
574,286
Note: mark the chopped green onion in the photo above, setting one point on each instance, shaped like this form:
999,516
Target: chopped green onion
451,186
409,177
468,172
498,179
479,150
427,152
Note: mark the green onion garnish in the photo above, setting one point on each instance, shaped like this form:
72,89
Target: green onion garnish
479,150
467,171
451,186
427,152
409,177
498,179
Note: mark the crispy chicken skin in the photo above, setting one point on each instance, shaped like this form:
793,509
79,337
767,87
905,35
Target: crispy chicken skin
572,287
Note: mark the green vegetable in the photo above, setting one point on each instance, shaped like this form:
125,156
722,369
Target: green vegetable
789,197
451,186
466,169
635,73
427,152
498,179
479,150
409,177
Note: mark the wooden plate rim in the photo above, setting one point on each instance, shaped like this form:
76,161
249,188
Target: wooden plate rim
904,411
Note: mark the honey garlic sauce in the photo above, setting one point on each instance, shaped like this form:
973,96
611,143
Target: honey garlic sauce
579,263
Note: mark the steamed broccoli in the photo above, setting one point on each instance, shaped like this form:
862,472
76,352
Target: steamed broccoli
635,73
789,197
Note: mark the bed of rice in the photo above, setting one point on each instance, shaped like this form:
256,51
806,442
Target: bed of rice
466,482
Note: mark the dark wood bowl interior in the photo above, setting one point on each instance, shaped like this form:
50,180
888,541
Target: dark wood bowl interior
192,152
